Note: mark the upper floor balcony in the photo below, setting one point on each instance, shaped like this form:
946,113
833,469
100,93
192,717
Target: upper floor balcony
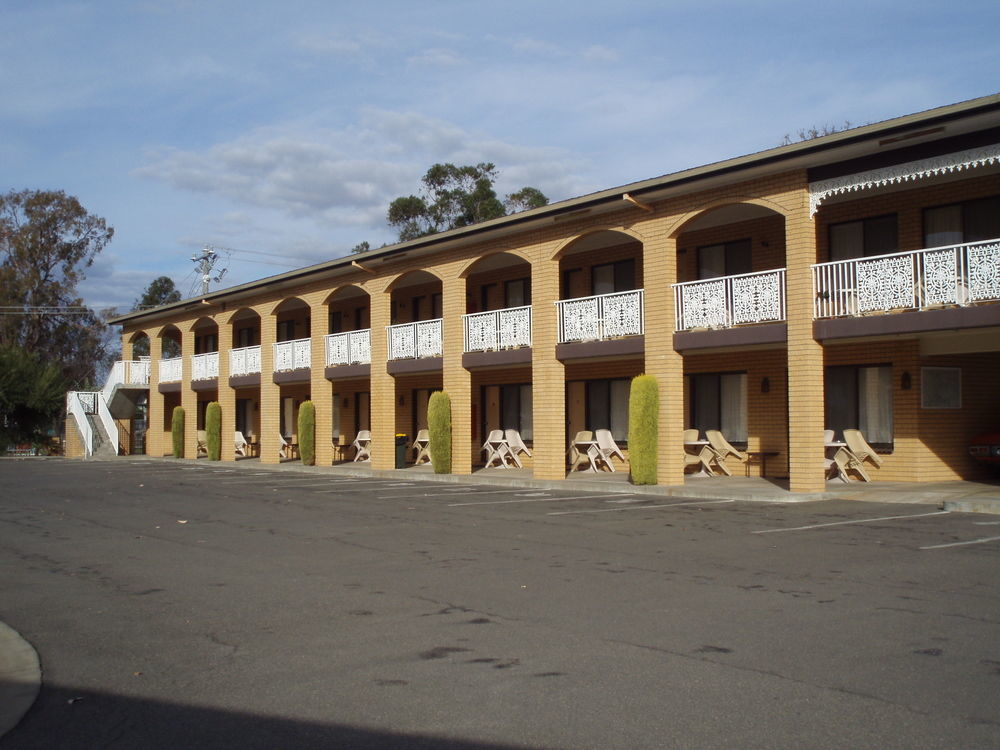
292,355
130,372
601,317
727,301
170,370
205,366
495,330
917,280
244,361
415,340
351,348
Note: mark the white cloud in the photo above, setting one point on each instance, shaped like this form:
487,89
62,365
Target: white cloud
600,53
436,57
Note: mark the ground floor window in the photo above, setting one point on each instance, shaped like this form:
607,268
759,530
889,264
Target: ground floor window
362,411
515,410
718,401
860,398
244,417
607,407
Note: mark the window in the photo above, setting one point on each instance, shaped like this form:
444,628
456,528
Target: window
245,337
286,330
244,417
336,322
362,411
718,401
613,277
860,398
336,418
515,410
856,239
607,407
941,387
288,425
486,292
517,293
420,397
437,306
205,343
726,259
962,222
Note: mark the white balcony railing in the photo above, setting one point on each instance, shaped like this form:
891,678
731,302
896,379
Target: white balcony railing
415,340
351,348
79,405
170,369
729,301
604,316
498,329
205,366
292,355
934,277
244,361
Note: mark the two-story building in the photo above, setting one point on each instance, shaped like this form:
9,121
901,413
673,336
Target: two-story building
850,281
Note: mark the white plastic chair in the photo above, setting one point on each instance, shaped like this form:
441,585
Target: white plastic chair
202,442
857,445
722,450
516,443
422,445
242,446
498,450
828,436
575,456
607,448
286,449
363,446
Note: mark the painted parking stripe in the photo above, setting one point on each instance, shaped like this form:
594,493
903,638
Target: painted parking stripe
533,499
470,491
962,544
857,520
638,507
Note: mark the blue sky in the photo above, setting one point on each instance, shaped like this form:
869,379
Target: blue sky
287,127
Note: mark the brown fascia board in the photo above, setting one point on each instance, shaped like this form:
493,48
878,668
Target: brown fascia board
803,154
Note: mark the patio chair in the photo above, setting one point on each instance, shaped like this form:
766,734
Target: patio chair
242,446
837,466
363,445
699,456
422,445
516,443
575,456
828,436
498,449
287,448
691,436
202,442
723,450
607,448
857,445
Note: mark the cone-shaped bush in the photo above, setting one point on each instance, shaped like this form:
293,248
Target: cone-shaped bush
307,433
439,429
177,431
643,414
213,430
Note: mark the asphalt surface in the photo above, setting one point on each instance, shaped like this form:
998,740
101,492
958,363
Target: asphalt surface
181,605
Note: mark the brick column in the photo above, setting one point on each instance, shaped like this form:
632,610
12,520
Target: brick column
662,361
189,399
457,380
225,394
548,375
270,394
320,390
383,385
155,416
805,355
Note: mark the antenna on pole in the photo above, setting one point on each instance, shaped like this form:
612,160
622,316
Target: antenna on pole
206,262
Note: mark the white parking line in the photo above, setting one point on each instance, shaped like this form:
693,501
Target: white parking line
638,507
961,544
436,490
533,499
858,520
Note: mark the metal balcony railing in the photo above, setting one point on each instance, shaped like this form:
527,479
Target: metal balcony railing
170,369
350,348
509,328
415,340
728,301
244,361
205,366
292,355
604,316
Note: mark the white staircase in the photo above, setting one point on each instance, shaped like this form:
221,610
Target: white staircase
95,412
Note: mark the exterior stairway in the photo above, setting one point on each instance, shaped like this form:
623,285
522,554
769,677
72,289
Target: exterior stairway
95,412
103,446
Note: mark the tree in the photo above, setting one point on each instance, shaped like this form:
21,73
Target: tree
47,240
456,197
161,291
361,247
808,134
31,396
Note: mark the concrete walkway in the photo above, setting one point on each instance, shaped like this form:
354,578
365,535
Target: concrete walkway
20,677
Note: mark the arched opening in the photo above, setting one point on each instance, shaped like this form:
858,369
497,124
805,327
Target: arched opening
170,342
416,308
246,329
138,342
348,338
498,303
292,320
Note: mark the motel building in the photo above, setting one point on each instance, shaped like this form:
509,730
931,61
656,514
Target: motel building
850,282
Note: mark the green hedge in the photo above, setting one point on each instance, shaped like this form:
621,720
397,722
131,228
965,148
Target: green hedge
307,433
177,431
439,429
643,429
213,430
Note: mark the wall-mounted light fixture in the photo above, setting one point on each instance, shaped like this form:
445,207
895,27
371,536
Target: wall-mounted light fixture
402,400
765,385
906,382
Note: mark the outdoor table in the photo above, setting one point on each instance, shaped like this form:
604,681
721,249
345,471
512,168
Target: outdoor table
589,449
762,456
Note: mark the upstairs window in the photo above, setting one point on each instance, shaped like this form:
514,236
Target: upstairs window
608,278
517,293
725,259
958,223
857,239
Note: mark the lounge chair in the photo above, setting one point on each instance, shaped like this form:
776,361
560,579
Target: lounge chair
575,456
363,446
202,442
498,449
516,443
422,445
287,448
242,446
701,456
857,445
607,448
723,450
828,436
690,436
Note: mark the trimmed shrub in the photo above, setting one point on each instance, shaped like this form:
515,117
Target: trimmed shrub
213,430
439,429
307,433
177,431
643,429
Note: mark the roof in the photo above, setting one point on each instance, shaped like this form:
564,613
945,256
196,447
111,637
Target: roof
842,146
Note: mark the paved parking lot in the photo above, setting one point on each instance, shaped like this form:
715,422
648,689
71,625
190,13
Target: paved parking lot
182,604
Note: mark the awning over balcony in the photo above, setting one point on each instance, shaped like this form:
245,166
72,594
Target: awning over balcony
900,173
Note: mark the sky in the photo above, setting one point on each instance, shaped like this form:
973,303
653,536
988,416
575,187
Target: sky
282,130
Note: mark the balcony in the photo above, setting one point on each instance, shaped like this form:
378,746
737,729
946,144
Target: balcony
244,361
602,317
130,372
498,329
170,370
918,280
729,301
415,340
292,355
351,348
205,366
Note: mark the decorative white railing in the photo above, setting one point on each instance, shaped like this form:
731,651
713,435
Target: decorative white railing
351,348
205,366
604,316
292,355
415,340
244,361
79,405
129,372
498,329
729,301
170,369
917,280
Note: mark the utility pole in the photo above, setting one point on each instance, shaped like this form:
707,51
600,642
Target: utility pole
206,261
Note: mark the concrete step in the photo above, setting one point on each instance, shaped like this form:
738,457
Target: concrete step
975,504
